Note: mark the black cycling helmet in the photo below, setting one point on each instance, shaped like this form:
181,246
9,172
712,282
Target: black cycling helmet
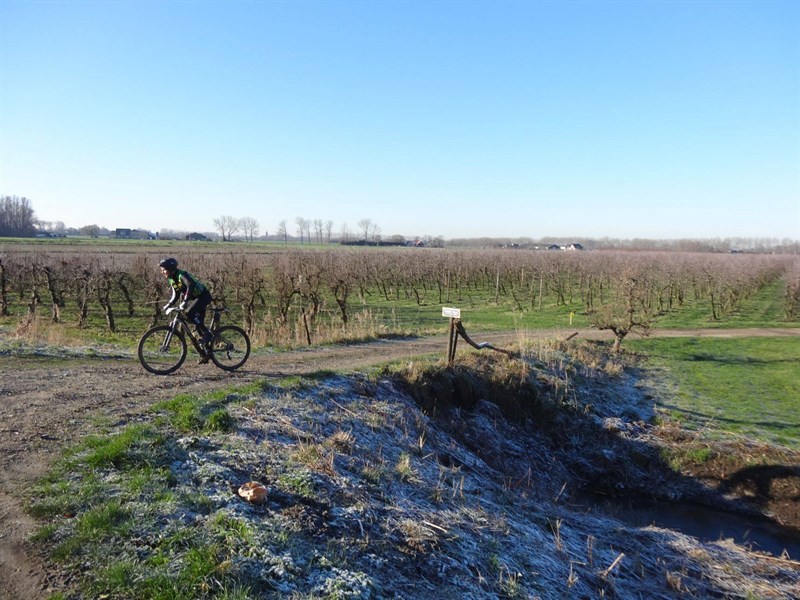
170,264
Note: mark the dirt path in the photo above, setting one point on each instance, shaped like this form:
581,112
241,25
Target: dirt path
46,404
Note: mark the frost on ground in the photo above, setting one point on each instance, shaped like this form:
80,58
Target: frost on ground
457,483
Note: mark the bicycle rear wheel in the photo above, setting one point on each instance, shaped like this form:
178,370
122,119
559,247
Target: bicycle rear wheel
162,353
230,347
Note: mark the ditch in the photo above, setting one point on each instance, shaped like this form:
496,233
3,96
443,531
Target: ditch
704,523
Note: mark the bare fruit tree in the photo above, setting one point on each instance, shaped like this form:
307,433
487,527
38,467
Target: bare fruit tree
627,309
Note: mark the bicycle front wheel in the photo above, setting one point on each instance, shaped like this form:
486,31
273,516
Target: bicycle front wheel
230,347
162,350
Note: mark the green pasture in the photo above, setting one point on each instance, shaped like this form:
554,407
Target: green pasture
743,385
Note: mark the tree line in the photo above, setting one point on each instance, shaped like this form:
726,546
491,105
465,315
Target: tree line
307,231
17,218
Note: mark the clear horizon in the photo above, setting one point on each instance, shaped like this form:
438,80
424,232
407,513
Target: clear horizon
546,239
454,119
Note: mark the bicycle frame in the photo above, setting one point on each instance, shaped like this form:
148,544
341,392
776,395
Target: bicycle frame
215,318
179,322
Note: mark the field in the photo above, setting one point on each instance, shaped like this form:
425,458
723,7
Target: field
744,385
110,291
707,401
105,293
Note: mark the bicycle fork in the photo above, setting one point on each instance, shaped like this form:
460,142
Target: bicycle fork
168,337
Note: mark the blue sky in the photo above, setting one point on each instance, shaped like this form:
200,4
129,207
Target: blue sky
670,119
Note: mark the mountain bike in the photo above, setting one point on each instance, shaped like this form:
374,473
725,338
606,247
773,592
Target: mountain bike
163,348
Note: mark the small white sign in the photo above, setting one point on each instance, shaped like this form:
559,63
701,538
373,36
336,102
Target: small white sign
453,313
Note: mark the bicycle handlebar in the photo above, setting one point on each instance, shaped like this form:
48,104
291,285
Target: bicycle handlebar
172,309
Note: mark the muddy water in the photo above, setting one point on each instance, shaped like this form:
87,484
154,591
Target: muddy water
703,523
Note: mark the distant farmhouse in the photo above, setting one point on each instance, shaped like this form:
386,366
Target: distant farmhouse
197,237
134,234
565,247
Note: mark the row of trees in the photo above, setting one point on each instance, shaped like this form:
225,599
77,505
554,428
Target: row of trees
229,226
758,245
306,230
296,289
321,232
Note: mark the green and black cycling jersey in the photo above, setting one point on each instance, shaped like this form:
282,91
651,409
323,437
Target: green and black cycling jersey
184,287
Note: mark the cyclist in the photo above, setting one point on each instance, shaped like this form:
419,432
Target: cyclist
194,298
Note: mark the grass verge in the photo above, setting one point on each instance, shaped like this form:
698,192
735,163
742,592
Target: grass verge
748,386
